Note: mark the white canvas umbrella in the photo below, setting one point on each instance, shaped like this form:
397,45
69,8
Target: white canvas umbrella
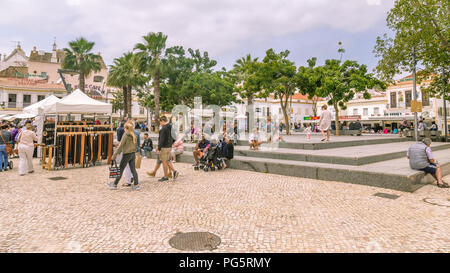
23,116
34,108
78,103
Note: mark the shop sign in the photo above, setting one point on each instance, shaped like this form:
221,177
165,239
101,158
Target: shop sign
354,117
311,118
43,75
416,106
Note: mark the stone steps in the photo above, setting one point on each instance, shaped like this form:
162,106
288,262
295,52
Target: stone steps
392,174
356,156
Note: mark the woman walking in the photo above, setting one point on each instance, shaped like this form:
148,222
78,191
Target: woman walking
127,147
325,123
25,146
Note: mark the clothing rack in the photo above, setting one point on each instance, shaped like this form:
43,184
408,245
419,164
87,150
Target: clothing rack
77,144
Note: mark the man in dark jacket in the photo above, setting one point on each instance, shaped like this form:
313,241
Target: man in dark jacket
120,131
165,142
147,145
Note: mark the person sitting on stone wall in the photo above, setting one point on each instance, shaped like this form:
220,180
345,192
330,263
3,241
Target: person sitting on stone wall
421,158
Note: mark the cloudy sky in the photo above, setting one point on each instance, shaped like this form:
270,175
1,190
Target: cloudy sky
227,29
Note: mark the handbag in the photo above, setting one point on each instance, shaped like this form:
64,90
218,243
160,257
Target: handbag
8,146
114,171
138,161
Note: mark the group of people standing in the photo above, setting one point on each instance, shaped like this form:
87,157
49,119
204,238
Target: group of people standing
130,145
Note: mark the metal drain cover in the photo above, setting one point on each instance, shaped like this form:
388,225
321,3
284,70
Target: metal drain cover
58,178
443,202
195,241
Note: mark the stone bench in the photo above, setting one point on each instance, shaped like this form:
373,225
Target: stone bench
433,135
347,132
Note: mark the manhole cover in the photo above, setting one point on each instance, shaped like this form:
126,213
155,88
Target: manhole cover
386,195
58,178
443,202
195,241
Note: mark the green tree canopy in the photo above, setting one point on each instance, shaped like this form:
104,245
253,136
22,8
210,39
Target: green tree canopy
422,25
341,81
278,77
79,58
126,73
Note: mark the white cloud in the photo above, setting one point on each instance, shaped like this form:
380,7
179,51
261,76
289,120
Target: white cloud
215,26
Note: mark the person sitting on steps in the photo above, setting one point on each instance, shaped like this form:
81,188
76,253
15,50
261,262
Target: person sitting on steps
421,158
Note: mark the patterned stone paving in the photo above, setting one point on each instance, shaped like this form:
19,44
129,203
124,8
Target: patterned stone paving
251,212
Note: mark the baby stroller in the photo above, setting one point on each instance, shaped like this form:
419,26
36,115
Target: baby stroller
203,159
214,159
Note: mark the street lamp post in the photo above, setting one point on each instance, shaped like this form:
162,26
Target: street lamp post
444,87
416,122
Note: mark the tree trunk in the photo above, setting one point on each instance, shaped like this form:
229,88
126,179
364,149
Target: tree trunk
125,100
336,120
286,117
247,114
157,109
129,101
81,80
315,108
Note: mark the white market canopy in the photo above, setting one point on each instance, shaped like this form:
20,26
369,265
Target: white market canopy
34,108
24,116
78,103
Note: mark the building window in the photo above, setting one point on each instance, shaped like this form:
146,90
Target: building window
141,110
365,112
98,78
355,111
408,98
279,111
393,99
40,97
306,112
26,100
425,99
12,99
258,110
376,111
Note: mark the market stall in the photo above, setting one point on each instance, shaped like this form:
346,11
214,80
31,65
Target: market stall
70,138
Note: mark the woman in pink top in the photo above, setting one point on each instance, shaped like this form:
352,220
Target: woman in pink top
26,148
177,148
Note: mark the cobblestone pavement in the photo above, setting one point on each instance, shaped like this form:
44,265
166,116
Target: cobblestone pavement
251,212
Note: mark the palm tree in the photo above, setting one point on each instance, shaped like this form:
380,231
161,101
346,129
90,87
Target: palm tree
243,68
80,59
126,73
153,51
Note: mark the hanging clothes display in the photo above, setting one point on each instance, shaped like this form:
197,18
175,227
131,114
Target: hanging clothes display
81,144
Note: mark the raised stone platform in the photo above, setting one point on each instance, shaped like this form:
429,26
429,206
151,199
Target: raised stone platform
391,174
378,160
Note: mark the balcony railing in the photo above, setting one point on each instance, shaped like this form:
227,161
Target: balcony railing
12,104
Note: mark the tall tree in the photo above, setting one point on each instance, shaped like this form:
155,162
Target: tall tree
423,25
126,74
278,77
309,81
214,88
78,57
153,51
341,81
249,85
118,102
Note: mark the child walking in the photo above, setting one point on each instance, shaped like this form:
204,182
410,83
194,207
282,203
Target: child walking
127,146
308,132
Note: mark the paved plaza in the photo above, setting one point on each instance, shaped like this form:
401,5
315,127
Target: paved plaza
249,211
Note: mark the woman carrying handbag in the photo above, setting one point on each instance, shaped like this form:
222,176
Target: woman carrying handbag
127,146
